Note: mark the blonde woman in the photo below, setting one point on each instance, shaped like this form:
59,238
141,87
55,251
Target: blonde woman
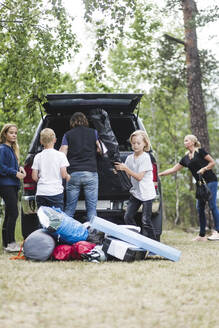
138,167
198,161
10,176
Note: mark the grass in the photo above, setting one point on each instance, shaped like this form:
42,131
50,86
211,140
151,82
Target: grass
150,293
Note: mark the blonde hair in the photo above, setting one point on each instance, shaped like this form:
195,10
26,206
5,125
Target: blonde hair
196,142
14,145
47,136
144,136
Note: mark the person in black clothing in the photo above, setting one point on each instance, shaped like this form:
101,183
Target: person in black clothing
198,161
80,144
10,176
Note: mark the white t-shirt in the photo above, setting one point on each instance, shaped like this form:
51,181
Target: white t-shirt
49,162
144,189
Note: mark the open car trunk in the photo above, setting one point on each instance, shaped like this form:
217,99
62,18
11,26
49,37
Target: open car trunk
119,107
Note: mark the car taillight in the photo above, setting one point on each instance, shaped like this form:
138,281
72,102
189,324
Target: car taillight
155,175
29,184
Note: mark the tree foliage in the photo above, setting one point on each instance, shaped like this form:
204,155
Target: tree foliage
35,40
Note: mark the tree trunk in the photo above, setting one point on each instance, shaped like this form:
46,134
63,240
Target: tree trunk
195,96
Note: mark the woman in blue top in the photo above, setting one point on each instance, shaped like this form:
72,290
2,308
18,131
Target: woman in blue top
10,176
198,161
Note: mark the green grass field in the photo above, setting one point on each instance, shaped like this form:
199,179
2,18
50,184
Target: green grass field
149,293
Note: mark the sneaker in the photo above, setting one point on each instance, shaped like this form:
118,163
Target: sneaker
214,236
12,247
199,238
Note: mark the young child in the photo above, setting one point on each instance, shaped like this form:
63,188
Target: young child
49,168
138,167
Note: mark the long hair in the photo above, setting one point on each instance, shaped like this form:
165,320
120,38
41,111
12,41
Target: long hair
14,145
78,119
196,142
144,137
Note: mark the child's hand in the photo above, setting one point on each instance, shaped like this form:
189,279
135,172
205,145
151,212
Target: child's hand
22,170
20,175
120,166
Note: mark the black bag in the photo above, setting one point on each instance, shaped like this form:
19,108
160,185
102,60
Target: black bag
101,122
202,191
124,180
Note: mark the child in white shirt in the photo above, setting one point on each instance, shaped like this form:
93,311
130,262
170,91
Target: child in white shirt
138,167
49,168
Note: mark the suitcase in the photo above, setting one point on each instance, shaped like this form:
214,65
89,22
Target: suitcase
121,250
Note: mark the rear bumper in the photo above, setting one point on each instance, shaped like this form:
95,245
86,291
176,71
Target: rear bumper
116,208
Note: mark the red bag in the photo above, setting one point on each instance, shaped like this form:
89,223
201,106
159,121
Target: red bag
81,247
62,253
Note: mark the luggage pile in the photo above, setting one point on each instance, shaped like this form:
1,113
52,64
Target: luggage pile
63,238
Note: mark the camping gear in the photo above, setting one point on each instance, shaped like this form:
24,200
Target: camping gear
62,253
202,191
61,226
38,246
72,252
101,122
80,248
130,227
136,239
95,236
121,250
96,255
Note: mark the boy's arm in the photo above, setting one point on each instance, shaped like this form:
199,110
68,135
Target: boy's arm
35,175
65,174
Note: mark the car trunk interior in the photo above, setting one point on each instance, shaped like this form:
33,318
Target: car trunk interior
122,127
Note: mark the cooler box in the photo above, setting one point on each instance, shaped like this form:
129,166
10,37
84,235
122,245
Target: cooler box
121,250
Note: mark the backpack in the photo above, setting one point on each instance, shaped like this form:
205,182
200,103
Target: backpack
72,252
62,253
80,248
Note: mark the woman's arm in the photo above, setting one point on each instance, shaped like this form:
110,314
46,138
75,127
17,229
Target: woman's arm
211,164
122,167
99,150
64,149
172,170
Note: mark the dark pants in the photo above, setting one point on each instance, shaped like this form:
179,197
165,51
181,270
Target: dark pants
50,201
147,226
10,197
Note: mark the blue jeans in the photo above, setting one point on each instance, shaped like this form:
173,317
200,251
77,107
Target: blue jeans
89,182
213,207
